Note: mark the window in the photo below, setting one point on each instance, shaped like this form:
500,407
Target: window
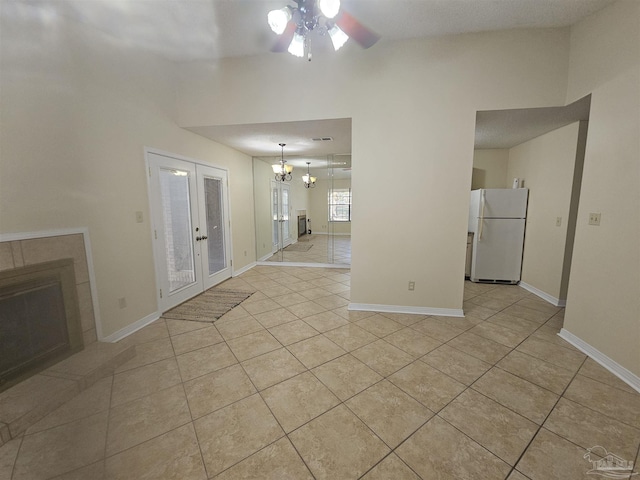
340,205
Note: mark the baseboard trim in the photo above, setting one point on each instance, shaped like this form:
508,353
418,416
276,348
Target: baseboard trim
129,329
302,264
440,312
614,367
543,295
246,268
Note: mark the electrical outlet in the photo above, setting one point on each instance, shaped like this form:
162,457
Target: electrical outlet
594,219
412,286
245,253
139,217
558,221
122,302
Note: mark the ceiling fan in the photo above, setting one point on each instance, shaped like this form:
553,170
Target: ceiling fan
294,24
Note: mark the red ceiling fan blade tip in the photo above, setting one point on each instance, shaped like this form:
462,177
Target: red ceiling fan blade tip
362,35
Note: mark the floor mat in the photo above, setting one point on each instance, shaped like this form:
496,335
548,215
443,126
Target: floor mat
208,306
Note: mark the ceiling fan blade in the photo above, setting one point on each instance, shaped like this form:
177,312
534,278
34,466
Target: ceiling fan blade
284,39
352,27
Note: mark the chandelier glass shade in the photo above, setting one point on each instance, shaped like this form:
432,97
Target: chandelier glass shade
338,37
281,170
309,181
278,19
296,47
329,8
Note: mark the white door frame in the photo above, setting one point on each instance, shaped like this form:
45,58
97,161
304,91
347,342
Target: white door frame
284,238
159,256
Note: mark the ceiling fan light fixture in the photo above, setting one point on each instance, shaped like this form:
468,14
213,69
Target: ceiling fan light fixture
338,37
296,47
278,20
329,8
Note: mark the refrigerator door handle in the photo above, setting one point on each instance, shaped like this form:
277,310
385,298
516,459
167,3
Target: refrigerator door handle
483,199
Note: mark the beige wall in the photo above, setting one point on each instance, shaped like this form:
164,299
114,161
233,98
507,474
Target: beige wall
263,174
490,168
603,301
413,104
77,111
546,164
78,108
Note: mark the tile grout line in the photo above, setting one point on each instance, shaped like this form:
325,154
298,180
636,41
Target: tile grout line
106,435
343,402
541,426
184,392
437,413
15,460
286,435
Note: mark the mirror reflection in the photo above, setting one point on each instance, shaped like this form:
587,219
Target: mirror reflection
298,220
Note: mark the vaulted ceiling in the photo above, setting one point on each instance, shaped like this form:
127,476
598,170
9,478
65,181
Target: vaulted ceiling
188,30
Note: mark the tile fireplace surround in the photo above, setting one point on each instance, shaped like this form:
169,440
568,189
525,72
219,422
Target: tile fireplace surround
30,251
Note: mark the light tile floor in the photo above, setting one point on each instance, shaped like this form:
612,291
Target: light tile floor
291,385
324,249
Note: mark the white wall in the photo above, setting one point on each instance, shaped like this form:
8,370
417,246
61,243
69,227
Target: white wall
490,168
603,301
413,106
77,111
546,164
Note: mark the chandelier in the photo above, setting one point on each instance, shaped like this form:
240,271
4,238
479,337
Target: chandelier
282,171
309,181
294,24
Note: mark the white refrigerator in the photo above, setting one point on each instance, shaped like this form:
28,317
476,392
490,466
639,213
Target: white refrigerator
497,220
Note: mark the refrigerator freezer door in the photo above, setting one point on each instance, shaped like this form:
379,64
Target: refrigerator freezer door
474,210
497,256
505,203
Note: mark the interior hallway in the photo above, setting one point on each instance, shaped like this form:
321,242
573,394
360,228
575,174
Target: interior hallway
290,384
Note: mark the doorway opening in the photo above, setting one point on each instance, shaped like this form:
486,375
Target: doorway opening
540,150
190,221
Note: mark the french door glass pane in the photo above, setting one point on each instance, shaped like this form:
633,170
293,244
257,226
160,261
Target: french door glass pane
176,212
274,209
215,224
285,212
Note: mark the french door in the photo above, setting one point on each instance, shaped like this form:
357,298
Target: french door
280,194
190,215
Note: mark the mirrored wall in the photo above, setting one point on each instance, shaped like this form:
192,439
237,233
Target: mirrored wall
300,224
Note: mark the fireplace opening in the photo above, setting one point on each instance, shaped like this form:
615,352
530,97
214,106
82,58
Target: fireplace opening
39,319
302,225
